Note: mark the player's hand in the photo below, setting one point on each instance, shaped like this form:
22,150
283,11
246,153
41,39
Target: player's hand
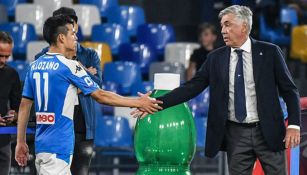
22,153
292,138
148,104
138,114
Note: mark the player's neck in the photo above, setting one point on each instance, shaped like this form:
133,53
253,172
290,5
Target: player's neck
56,49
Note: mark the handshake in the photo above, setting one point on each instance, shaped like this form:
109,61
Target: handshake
147,106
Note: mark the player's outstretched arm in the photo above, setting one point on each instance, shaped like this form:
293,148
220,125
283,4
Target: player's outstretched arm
144,102
22,150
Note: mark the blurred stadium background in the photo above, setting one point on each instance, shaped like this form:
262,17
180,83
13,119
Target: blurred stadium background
137,38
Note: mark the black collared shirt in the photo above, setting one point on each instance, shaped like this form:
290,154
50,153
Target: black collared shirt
199,56
10,90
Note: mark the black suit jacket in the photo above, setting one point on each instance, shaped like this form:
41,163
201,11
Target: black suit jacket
272,79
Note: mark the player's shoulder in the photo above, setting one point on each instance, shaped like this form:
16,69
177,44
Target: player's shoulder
73,65
67,62
46,62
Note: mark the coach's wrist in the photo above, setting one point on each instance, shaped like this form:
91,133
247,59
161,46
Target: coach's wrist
294,127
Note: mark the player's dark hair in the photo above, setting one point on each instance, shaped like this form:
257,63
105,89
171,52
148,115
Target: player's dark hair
54,26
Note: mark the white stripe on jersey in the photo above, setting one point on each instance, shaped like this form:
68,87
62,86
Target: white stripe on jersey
73,66
71,99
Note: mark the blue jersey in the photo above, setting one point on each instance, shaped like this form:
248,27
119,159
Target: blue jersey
52,83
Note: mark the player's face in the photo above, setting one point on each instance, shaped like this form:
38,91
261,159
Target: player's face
76,27
5,53
70,41
72,54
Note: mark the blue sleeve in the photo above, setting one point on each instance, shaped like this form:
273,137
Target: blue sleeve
45,50
28,87
82,80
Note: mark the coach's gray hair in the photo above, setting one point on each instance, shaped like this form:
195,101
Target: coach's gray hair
243,13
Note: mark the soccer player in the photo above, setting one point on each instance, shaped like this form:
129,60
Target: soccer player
84,113
52,83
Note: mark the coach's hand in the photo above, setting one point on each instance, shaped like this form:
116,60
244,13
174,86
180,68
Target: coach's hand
141,112
148,104
22,153
292,138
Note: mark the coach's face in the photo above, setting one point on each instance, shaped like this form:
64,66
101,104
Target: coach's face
234,30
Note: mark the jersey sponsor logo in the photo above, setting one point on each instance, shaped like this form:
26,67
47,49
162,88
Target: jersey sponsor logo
45,118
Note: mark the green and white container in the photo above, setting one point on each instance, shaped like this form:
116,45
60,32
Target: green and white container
165,142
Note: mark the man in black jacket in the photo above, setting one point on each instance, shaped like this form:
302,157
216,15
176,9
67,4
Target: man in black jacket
10,93
246,78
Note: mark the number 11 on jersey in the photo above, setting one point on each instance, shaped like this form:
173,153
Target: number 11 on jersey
37,78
